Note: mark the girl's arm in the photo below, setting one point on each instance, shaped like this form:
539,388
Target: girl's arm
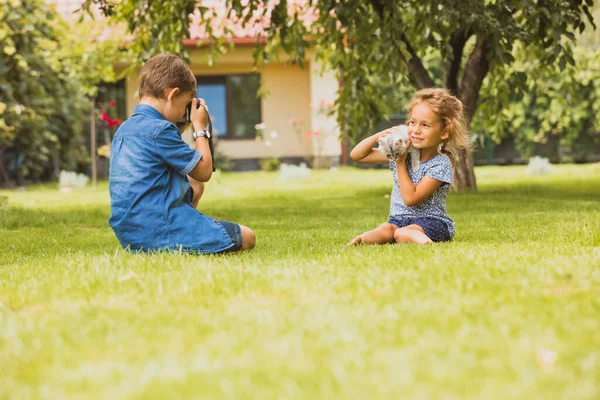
364,152
411,194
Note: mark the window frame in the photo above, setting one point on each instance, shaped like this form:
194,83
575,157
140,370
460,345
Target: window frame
222,80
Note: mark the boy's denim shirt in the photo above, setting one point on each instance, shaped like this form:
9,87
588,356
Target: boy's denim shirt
150,196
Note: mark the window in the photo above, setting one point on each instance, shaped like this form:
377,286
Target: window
233,103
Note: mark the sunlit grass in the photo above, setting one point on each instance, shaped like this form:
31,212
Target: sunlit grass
510,309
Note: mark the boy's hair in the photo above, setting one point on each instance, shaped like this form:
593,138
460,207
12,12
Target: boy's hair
165,71
450,111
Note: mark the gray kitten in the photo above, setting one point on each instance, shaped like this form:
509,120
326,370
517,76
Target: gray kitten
394,145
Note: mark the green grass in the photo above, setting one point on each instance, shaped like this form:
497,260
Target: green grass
510,309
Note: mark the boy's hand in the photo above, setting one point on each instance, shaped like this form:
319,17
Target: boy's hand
199,115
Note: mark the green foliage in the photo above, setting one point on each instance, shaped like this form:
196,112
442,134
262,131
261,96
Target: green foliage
564,102
47,70
222,161
509,310
270,164
378,44
373,45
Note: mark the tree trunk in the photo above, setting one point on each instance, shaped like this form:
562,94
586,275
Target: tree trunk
475,70
4,178
464,174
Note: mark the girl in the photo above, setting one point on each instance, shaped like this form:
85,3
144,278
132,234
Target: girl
437,127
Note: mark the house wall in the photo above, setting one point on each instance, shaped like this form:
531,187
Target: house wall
288,91
323,91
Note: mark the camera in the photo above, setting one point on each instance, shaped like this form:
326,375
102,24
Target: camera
188,111
187,119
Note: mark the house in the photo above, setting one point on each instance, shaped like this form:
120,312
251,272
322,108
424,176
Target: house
288,122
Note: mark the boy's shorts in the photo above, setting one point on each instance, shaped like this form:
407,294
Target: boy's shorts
437,230
235,233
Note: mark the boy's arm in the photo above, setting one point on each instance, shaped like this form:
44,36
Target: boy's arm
364,152
203,170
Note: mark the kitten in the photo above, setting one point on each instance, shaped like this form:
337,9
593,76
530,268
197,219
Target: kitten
394,145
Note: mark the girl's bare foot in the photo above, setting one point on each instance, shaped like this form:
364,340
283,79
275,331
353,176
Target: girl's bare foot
356,241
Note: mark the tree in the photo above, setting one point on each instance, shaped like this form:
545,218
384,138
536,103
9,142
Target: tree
560,102
377,44
47,72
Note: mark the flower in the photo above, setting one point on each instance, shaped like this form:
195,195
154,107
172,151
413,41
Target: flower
104,151
113,122
260,127
104,116
273,134
268,143
547,359
112,102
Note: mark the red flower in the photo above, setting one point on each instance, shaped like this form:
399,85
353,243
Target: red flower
113,122
104,116
112,103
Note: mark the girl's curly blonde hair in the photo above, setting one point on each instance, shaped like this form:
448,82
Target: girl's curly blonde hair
450,111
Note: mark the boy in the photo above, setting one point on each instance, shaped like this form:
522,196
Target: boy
151,199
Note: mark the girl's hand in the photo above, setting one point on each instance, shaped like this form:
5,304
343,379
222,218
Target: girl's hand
199,114
402,158
383,133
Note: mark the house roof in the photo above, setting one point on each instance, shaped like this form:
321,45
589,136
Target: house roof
242,35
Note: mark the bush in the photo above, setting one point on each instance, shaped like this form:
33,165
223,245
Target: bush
270,164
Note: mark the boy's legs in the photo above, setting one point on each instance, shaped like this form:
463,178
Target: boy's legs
384,233
248,238
198,188
243,238
411,234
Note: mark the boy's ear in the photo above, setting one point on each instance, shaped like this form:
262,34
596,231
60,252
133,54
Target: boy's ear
170,93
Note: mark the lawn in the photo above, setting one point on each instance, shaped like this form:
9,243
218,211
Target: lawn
510,309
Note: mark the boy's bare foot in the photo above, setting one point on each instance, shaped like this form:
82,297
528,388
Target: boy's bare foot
356,241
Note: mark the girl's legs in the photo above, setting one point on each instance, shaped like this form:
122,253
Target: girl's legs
384,233
198,188
411,234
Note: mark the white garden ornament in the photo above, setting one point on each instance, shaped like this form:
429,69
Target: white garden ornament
539,166
70,180
290,172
